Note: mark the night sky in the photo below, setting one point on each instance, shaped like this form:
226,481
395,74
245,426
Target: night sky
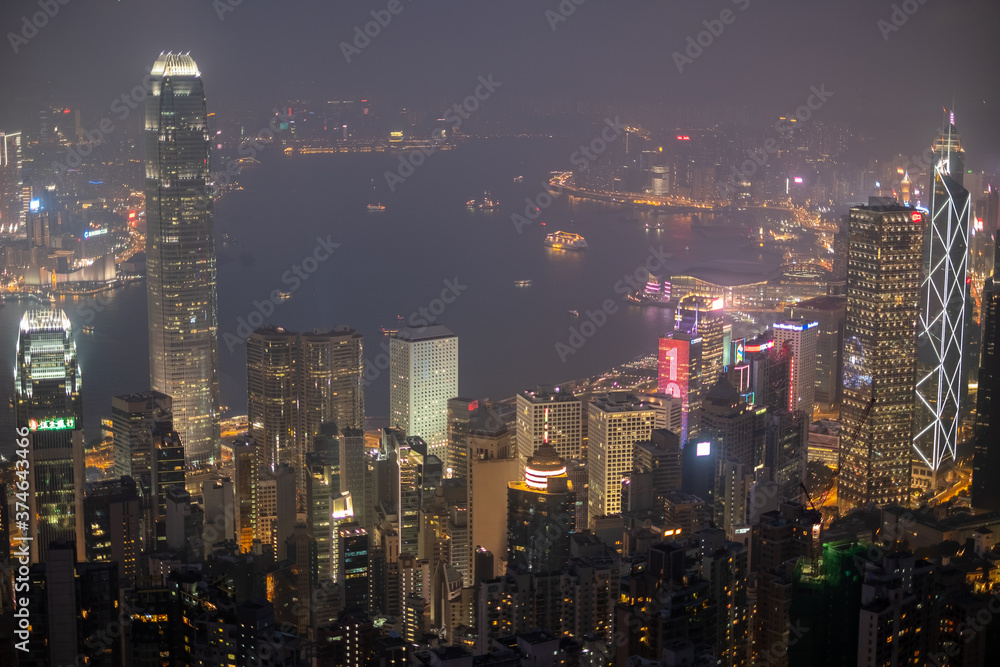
607,52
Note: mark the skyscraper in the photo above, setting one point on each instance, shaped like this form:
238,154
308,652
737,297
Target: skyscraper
680,376
48,403
134,418
615,423
298,382
180,254
986,465
829,312
941,387
14,196
702,316
801,338
541,514
423,363
880,350
549,415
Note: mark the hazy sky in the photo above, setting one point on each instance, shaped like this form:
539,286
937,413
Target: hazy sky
767,57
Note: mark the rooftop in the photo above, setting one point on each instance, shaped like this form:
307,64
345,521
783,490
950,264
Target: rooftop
175,64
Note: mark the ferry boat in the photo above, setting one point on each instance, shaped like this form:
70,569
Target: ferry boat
575,313
523,283
284,296
376,207
519,179
487,203
87,329
565,241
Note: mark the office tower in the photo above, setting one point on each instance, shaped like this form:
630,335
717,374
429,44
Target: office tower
276,509
732,488
411,455
341,514
680,376
423,366
332,379
829,311
473,427
949,156
661,456
298,382
134,417
764,377
786,449
576,469
731,425
353,564
942,383
167,469
880,350
541,514
218,499
14,192
354,475
322,485
245,490
702,316
986,464
48,404
111,519
490,469
180,254
272,396
669,410
549,415
615,422
801,337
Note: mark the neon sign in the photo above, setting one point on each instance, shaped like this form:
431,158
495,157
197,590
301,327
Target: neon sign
54,424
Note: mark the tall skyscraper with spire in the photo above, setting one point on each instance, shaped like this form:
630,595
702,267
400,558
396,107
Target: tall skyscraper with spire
180,254
941,384
880,353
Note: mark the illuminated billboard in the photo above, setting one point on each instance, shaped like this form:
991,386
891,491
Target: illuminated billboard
674,374
54,424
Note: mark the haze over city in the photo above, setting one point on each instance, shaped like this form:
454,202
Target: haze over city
579,333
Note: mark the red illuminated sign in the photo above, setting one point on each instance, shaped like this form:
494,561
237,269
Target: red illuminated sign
674,372
474,405
917,217
683,137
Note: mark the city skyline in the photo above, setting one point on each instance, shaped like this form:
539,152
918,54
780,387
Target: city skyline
729,327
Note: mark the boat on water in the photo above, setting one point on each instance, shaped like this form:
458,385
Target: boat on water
565,241
284,296
87,329
487,203
575,313
377,206
522,283
519,179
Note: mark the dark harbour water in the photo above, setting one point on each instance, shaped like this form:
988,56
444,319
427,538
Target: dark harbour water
395,262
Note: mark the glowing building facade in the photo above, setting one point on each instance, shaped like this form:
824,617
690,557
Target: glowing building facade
880,353
180,254
941,387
